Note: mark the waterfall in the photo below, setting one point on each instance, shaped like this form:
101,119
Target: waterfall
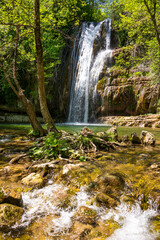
90,54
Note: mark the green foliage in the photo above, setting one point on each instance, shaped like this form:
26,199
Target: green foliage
33,133
52,147
58,22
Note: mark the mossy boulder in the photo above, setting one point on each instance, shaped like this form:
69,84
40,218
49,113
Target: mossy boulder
85,215
10,195
33,180
147,138
110,184
78,175
105,200
9,215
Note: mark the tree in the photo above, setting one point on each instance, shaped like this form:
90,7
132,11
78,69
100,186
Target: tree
153,8
40,71
139,20
20,92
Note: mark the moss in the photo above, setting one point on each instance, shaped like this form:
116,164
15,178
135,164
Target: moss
101,83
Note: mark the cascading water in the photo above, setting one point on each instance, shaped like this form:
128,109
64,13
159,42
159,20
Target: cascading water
90,54
133,222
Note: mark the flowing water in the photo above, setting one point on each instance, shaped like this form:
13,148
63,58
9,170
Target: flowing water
47,217
133,221
87,64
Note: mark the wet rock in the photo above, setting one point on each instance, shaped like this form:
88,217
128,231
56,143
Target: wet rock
80,231
110,183
33,180
44,168
78,175
11,196
106,200
135,138
2,195
147,138
148,100
69,167
85,215
9,215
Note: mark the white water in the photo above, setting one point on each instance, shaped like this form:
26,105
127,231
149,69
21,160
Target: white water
86,69
134,222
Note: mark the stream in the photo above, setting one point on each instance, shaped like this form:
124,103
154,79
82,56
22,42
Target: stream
71,204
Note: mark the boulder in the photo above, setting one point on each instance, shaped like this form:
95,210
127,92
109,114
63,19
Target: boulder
10,195
9,215
33,180
135,138
85,215
111,184
147,138
105,200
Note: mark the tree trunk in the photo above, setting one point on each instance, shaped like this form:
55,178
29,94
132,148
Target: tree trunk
153,17
27,104
31,114
40,71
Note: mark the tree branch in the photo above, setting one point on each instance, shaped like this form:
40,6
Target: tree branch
64,34
9,81
15,60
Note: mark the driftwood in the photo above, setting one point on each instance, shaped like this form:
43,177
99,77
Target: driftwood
16,159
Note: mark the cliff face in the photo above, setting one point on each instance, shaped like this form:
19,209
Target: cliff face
127,91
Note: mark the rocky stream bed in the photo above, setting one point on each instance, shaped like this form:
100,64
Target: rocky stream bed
113,193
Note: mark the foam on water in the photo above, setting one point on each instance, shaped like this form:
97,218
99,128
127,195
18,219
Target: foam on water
40,202
135,223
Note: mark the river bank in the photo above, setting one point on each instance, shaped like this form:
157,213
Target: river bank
147,120
89,198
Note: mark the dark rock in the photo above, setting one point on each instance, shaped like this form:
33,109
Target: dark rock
11,196
135,138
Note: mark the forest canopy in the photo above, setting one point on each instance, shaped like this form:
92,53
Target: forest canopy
136,23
